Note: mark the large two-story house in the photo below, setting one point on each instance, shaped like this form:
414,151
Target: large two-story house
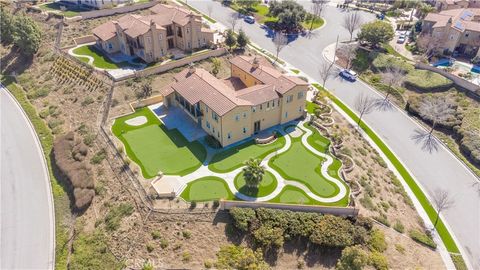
151,37
263,97
456,30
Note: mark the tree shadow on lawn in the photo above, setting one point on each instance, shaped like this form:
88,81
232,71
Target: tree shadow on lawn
249,191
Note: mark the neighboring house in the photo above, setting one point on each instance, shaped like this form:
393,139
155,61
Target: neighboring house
151,37
98,4
456,30
254,98
456,4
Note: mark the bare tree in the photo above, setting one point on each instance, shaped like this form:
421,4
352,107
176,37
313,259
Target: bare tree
325,70
364,105
442,201
317,9
429,44
280,41
435,110
347,52
352,22
233,20
209,10
393,77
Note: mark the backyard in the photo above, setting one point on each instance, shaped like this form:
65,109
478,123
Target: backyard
66,10
87,52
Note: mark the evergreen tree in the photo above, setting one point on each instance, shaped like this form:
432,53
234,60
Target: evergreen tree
27,35
230,39
242,39
6,26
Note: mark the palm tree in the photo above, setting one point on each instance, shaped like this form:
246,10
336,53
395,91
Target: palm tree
253,173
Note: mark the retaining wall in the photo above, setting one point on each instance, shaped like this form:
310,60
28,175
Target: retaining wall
337,211
84,39
112,11
146,102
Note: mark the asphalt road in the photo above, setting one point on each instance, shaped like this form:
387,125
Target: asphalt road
26,217
432,170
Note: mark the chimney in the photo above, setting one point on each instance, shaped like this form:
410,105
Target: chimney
255,63
191,68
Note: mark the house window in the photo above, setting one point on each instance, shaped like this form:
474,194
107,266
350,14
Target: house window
254,109
214,116
237,117
206,108
261,107
208,125
268,104
179,32
244,115
213,130
229,135
188,30
110,46
286,114
273,103
149,40
289,98
160,36
244,130
300,109
218,134
300,95
188,45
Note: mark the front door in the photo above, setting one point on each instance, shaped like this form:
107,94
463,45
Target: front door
170,43
256,127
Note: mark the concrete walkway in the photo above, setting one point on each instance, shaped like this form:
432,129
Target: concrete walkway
229,177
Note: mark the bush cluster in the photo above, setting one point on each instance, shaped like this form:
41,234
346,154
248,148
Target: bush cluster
422,238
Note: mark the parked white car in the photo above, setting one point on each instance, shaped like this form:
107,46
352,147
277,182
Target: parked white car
349,74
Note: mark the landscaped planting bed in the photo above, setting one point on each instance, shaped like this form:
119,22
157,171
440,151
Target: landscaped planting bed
234,157
207,189
155,148
267,186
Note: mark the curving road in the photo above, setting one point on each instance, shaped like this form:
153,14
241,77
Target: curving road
26,214
437,170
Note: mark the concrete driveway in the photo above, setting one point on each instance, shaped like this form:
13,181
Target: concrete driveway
437,170
27,229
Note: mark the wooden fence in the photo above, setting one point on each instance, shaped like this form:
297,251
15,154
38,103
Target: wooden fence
337,211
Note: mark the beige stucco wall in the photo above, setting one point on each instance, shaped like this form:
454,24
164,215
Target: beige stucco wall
267,115
234,127
105,45
246,78
215,128
293,109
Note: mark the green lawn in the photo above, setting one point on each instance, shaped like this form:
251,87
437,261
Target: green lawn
100,60
234,157
293,195
71,10
267,186
154,148
311,107
441,228
207,189
299,164
317,23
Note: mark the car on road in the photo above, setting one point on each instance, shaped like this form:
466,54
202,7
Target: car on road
249,19
349,74
401,39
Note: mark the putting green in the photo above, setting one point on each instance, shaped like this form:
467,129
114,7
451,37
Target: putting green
234,157
267,185
294,195
154,148
207,189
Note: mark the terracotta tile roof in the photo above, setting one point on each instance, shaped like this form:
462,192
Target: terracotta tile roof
105,31
258,94
461,19
265,74
167,14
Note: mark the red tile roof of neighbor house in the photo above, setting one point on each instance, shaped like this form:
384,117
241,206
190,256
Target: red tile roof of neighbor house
199,85
135,25
461,19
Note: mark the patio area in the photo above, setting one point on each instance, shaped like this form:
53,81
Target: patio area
176,118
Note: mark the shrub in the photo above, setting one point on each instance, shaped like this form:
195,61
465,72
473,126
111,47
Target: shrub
208,264
382,218
98,157
383,61
90,251
400,248
378,261
333,231
398,226
377,241
116,214
87,101
427,81
422,238
353,258
241,258
269,237
365,222
41,92
242,217
156,235
164,243
149,247
187,234
186,257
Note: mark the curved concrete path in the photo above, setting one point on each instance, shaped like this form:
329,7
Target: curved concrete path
229,177
27,221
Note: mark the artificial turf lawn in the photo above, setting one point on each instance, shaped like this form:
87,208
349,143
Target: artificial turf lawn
441,228
293,195
207,189
311,107
234,157
267,185
303,166
99,59
155,148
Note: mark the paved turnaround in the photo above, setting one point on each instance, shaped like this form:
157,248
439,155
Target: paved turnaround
26,218
437,170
